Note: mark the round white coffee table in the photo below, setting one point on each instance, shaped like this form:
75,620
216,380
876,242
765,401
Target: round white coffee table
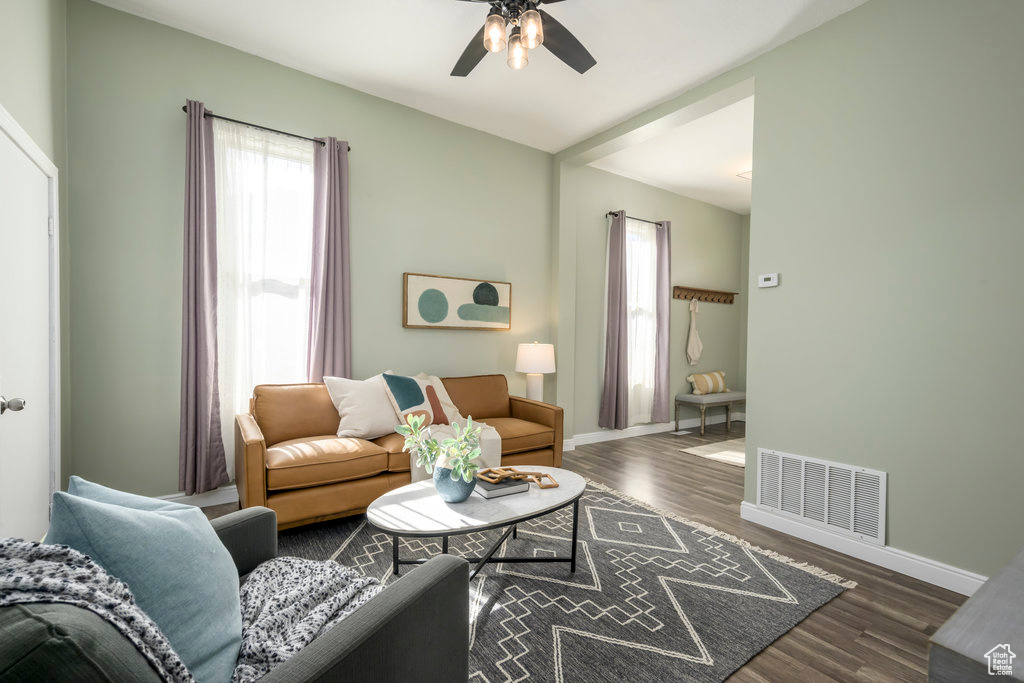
415,510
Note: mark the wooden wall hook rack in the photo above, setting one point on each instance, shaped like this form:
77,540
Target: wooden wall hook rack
713,296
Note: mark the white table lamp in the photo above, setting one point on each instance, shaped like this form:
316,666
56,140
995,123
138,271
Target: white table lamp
535,360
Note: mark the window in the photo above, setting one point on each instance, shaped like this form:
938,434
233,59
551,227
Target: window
264,258
641,316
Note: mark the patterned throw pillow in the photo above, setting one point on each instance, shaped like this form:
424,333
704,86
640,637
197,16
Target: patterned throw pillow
708,383
451,412
411,396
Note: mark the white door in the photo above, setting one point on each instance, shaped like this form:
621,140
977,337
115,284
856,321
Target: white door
27,440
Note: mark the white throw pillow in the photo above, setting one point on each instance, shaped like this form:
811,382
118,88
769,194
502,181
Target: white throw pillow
363,405
450,410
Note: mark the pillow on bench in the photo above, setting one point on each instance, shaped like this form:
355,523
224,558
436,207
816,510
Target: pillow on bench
708,383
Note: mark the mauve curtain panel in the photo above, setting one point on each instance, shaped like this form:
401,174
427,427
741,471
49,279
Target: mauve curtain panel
201,465
330,333
660,410
614,398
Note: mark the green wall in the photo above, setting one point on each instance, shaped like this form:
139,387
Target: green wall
32,36
33,90
743,301
706,246
427,195
887,148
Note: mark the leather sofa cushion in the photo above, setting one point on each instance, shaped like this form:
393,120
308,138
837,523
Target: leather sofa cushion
544,456
398,457
317,460
517,436
520,435
315,504
480,397
293,411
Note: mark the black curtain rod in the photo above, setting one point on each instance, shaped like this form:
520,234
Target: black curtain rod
642,220
256,125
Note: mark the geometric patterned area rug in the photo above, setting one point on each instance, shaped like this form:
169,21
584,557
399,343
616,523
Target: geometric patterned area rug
733,451
655,597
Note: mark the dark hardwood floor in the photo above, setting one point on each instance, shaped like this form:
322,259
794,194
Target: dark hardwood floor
215,511
877,631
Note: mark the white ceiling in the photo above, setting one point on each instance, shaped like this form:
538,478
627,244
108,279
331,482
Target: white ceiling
698,160
647,51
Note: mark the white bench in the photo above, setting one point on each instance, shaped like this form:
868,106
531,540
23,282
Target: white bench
705,401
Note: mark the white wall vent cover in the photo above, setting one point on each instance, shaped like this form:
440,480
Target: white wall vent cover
838,497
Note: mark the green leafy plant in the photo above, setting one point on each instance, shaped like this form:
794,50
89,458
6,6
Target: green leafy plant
457,454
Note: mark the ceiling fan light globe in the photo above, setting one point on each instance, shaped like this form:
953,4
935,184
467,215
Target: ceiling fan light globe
494,33
518,55
532,29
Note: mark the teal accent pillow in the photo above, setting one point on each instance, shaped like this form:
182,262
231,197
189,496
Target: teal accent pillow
405,391
182,576
101,494
412,396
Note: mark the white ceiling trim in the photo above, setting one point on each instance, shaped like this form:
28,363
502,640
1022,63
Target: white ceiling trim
699,159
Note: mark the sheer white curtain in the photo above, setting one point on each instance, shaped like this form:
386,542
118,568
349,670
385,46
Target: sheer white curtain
264,259
641,316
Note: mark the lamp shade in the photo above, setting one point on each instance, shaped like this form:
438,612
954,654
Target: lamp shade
518,56
535,358
533,29
494,31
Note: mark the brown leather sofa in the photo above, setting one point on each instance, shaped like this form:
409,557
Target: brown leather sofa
288,458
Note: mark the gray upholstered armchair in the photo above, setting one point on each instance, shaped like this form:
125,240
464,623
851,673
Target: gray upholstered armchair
416,630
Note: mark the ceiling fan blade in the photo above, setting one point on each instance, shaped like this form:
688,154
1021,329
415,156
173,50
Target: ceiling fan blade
564,45
473,54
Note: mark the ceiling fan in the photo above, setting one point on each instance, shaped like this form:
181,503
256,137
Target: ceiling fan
521,27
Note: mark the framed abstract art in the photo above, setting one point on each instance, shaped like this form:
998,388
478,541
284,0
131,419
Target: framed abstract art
455,303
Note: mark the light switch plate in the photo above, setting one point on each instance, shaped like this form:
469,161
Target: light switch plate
768,280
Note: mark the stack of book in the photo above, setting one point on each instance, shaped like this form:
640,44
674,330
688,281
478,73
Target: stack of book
503,488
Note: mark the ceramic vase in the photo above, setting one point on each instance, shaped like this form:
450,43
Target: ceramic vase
452,491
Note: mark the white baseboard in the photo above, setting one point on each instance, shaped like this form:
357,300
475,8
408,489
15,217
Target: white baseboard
225,494
643,430
923,568
613,434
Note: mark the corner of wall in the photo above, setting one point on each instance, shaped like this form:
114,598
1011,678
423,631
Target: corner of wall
741,374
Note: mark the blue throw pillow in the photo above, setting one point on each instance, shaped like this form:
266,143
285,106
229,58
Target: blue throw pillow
182,576
101,494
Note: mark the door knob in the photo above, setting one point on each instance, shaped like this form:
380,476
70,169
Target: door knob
15,404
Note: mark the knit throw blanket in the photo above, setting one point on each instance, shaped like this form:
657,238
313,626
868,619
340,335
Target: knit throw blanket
32,572
287,603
